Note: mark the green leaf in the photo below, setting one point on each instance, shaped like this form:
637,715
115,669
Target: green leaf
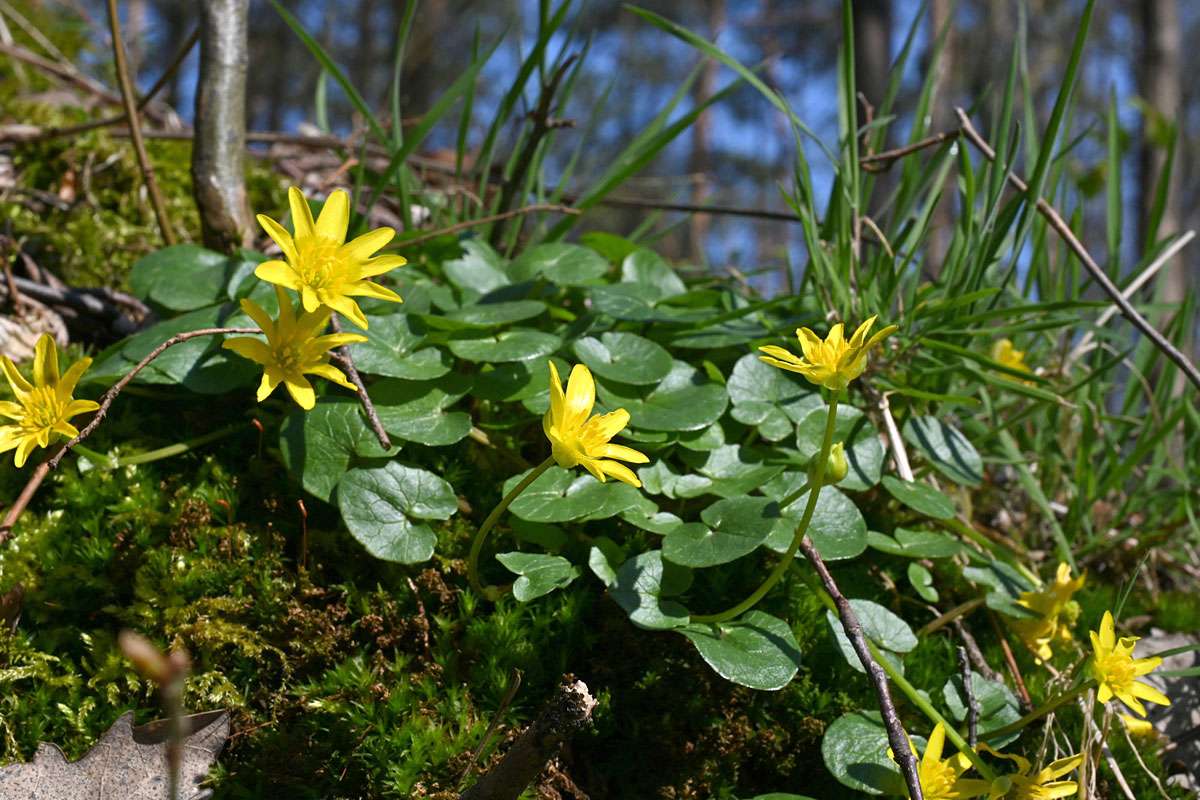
997,706
416,410
733,470
646,267
642,583
200,364
612,247
767,398
864,452
922,582
880,626
682,401
318,445
480,269
855,750
755,650
732,528
946,448
516,380
518,344
183,277
561,263
624,357
915,544
487,315
920,497
540,574
379,505
559,495
393,349
651,519
837,527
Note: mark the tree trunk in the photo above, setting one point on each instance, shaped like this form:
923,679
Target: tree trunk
218,174
1163,91
942,225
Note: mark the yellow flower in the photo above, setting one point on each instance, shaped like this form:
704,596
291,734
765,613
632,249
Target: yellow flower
941,779
577,440
1115,669
1044,785
1139,728
831,363
293,349
321,265
1004,353
1051,604
43,407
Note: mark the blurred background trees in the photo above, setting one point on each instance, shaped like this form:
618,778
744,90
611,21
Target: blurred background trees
739,151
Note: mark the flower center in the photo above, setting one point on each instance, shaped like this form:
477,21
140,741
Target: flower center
937,780
1116,670
288,357
43,409
319,262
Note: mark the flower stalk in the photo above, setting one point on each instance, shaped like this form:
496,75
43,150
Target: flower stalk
816,481
494,593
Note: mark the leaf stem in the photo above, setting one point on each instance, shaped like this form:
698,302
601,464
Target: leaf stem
493,593
817,481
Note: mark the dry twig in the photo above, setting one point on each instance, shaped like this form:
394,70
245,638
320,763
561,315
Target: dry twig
347,362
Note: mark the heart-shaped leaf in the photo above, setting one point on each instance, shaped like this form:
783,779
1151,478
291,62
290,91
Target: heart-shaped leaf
646,267
915,544
922,582
318,445
997,706
379,504
489,315
920,497
518,344
393,349
416,411
946,448
732,528
880,626
560,263
683,401
641,586
183,277
855,750
624,357
480,269
540,573
559,495
755,650
767,398
837,527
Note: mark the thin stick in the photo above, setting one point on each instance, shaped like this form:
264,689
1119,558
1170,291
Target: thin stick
964,670
39,474
159,85
135,130
897,738
58,71
107,399
554,208
18,506
352,373
1149,272
1011,662
1064,230
883,161
953,614
899,452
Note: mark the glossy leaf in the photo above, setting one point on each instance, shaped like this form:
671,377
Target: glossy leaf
948,450
380,506
539,574
755,650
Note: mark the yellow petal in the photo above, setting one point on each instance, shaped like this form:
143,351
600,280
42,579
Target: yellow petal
1052,791
79,407
302,219
335,217
331,373
1104,693
252,349
269,381
24,448
1108,631
372,289
603,427
810,343
20,386
280,236
66,384
861,332
1130,700
933,748
64,428
620,472
259,314
11,410
836,338
881,335
380,265
363,247
45,361
792,366
581,396
348,309
287,313
779,353
1147,692
624,454
1059,768
277,272
557,399
301,391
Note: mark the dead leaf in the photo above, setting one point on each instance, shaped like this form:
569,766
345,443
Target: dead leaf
127,763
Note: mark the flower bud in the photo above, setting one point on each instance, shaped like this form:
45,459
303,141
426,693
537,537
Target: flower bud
835,465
